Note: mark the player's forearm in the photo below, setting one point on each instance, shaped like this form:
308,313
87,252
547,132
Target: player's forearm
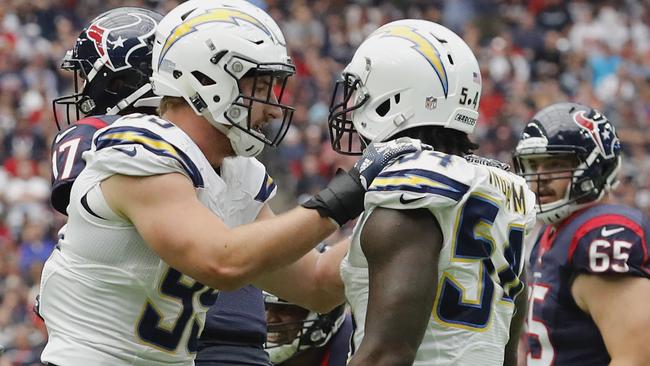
190,238
264,246
328,274
308,292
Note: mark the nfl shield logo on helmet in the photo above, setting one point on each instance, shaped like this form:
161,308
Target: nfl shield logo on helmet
476,78
431,103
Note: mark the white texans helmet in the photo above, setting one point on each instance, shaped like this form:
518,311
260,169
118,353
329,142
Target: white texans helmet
406,74
203,48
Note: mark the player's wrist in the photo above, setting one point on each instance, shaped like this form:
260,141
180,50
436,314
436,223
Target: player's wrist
341,200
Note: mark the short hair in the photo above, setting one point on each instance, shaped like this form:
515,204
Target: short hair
442,139
167,103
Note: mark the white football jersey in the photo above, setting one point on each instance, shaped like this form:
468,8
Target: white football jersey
106,297
483,212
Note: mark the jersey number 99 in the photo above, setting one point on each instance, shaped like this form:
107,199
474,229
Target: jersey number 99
150,328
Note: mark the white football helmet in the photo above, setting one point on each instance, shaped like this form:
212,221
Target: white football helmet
201,52
406,74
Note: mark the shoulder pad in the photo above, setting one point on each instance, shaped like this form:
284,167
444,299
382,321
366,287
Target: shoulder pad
251,176
67,149
610,243
145,145
424,178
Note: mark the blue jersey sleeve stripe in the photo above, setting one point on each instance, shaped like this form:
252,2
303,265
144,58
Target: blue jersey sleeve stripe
268,186
152,142
421,181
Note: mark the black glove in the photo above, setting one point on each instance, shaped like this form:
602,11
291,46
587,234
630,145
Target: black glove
342,199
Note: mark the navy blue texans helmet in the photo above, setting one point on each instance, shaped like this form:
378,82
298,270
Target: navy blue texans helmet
579,134
111,62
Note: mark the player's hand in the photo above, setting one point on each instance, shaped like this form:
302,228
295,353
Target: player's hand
378,155
342,199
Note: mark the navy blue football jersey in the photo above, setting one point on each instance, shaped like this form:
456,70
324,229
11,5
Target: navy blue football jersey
338,346
67,147
602,239
235,330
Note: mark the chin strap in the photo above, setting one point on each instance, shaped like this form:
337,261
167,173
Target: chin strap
244,144
241,142
134,99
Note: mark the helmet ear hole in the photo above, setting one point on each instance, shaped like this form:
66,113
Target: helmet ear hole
383,108
204,79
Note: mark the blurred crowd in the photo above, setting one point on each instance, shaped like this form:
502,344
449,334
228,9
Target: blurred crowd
532,53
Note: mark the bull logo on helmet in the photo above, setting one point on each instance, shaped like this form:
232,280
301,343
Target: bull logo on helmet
111,39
